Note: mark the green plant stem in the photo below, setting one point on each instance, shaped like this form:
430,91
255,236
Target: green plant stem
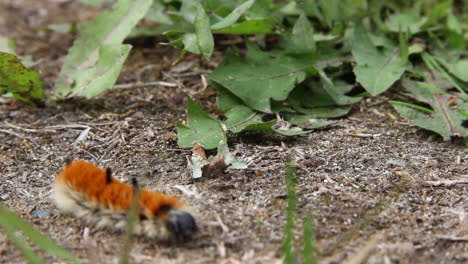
417,107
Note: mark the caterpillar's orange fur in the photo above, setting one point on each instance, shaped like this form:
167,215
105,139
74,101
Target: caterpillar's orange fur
92,194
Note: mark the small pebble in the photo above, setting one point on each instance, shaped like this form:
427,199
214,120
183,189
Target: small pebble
40,213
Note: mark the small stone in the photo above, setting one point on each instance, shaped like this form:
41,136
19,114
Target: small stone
40,213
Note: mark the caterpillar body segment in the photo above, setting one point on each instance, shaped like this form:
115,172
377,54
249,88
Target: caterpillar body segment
92,194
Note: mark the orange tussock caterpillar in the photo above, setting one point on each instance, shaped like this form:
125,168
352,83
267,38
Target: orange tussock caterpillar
92,194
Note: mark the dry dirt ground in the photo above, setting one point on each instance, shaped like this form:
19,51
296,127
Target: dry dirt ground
374,186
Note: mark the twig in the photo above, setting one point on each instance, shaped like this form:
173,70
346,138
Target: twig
16,135
362,135
82,135
221,224
29,129
11,133
454,239
445,183
146,84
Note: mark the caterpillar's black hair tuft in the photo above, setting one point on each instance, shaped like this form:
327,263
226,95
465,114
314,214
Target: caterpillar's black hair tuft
135,184
108,175
68,160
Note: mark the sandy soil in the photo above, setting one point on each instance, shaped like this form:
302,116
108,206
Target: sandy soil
373,185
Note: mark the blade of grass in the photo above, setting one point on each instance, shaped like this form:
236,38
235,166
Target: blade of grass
230,19
132,218
309,253
27,251
288,250
17,223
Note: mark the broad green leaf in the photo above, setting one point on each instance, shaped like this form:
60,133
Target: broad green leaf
302,38
408,20
230,19
241,118
190,43
437,70
454,24
323,112
290,131
226,100
23,83
97,79
456,65
447,117
310,8
253,26
307,121
260,77
12,223
261,9
337,90
375,71
201,128
157,14
105,31
437,12
205,41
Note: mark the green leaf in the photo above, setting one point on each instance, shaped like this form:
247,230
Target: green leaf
190,43
324,112
241,118
408,20
230,19
437,12
447,117
12,223
95,80
201,128
337,91
226,100
253,26
310,8
375,71
307,121
454,64
23,83
436,69
205,41
302,38
107,31
157,13
260,77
